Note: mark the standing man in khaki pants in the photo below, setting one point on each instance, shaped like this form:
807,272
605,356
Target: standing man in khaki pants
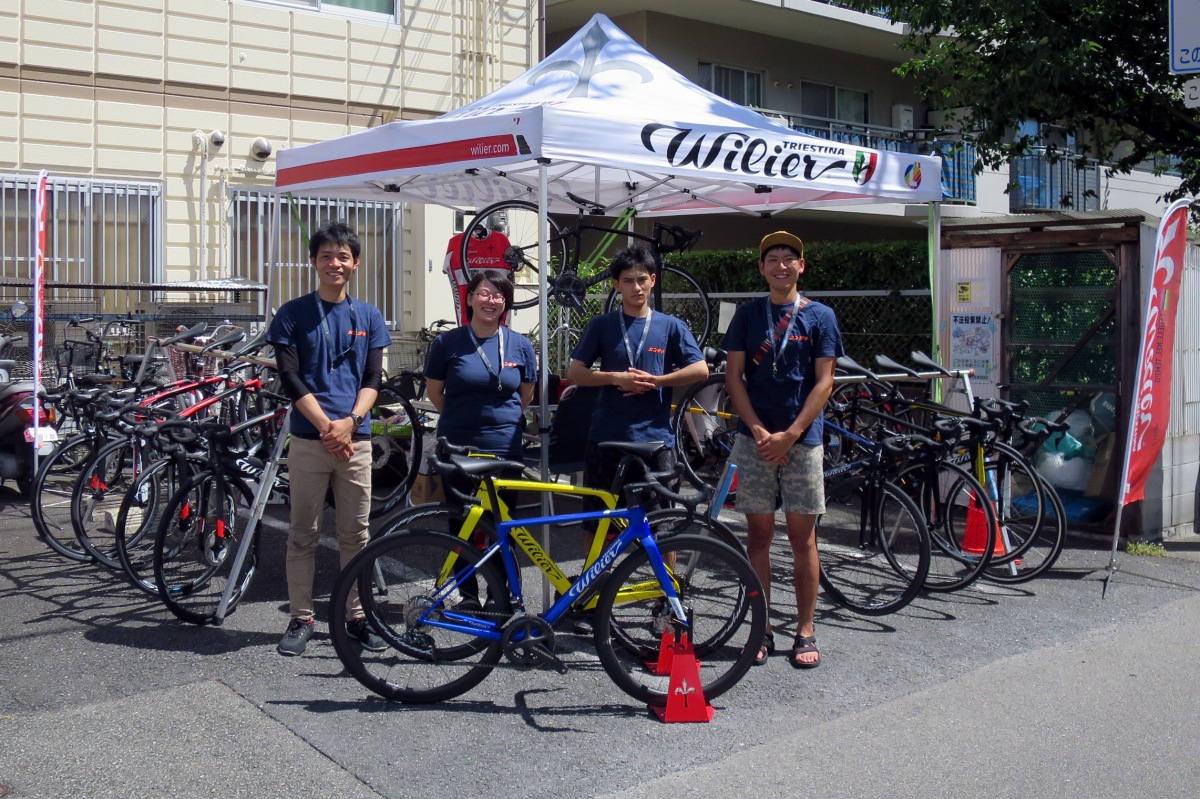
329,349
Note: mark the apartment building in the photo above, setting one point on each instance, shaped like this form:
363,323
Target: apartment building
829,71
1040,265
158,122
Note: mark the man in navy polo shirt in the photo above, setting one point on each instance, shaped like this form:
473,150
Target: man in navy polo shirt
779,373
329,350
643,354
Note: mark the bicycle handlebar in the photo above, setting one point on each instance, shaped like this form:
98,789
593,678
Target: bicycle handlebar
656,482
672,238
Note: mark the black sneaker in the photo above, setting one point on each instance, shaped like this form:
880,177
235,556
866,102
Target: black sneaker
362,632
295,640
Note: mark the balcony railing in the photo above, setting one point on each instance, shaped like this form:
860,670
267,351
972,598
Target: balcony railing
958,158
1039,183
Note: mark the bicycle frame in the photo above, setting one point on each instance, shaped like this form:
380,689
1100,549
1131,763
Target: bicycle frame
611,232
526,540
637,530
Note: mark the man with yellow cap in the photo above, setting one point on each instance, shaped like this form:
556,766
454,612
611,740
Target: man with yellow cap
779,374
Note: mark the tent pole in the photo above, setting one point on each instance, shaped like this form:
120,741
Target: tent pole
274,231
543,320
544,361
935,285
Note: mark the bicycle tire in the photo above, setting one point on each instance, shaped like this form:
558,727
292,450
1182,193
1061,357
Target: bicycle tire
1040,552
873,546
677,521
521,228
1019,499
682,297
50,500
961,522
194,551
724,599
140,515
396,442
97,495
705,428
668,522
422,663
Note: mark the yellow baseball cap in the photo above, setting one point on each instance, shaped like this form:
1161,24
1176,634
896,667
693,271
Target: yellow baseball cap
780,238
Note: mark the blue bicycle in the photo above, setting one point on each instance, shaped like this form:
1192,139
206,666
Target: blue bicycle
449,611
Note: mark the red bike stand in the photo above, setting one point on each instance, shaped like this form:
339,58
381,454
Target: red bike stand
685,697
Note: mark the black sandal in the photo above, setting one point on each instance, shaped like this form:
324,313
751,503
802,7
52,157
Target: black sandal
803,645
766,650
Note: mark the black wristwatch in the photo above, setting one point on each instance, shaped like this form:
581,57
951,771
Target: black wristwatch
358,420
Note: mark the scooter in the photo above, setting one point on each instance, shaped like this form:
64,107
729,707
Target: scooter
16,416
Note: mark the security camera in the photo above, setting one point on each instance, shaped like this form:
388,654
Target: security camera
216,139
260,148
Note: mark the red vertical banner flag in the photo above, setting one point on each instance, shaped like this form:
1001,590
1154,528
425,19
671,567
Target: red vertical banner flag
1151,406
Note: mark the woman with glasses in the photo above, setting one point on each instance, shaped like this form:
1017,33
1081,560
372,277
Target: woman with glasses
480,376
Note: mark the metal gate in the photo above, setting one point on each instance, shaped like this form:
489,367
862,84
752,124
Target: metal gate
1062,354
379,281
1062,331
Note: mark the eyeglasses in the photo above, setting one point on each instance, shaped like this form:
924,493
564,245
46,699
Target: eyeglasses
787,260
488,295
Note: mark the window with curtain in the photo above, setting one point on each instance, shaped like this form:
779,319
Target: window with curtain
739,86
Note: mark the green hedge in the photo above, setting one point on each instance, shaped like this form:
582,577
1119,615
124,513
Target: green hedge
831,266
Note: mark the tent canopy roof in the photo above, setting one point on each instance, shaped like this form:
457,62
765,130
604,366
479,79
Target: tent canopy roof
614,126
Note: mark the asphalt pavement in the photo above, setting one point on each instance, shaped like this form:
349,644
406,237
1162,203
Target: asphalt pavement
1014,691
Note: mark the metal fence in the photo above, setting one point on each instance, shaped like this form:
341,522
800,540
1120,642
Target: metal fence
378,224
100,234
121,328
892,323
1041,182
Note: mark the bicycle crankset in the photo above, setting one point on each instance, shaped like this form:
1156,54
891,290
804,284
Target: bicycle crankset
528,642
570,290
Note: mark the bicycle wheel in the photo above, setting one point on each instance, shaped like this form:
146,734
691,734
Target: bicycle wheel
140,515
681,297
97,495
1038,548
396,440
50,501
961,522
677,521
1017,494
196,544
518,221
705,427
722,597
873,545
424,662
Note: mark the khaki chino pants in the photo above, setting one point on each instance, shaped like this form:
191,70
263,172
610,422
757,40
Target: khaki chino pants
310,470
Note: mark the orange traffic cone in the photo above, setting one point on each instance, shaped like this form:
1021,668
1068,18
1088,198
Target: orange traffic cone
975,537
685,696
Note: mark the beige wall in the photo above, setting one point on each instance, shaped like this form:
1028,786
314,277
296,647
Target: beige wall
119,88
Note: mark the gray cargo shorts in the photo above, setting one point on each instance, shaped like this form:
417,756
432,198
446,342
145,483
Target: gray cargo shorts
801,482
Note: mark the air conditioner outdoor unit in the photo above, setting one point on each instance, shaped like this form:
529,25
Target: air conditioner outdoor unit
902,117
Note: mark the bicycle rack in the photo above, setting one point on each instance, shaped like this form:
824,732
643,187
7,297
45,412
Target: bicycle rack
261,495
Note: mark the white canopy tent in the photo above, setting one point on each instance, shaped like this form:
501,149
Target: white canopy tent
613,124
605,120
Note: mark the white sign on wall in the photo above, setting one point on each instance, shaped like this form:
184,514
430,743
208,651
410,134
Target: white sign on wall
1191,93
1184,37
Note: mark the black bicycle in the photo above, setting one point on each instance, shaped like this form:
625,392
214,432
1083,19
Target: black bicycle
570,274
